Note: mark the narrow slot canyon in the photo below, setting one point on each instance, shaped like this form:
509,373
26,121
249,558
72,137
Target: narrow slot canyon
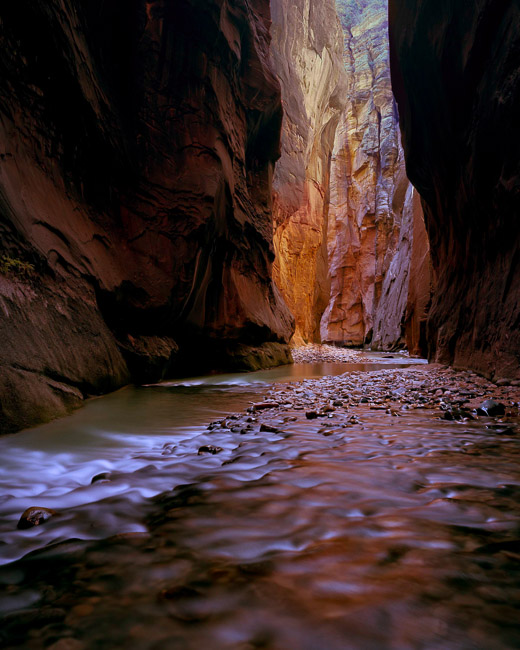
259,325
352,254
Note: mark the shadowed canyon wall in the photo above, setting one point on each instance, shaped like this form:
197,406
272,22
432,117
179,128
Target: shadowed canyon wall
138,142
402,309
456,76
306,50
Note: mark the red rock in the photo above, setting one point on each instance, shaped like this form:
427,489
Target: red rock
261,406
34,516
209,449
371,233
461,140
268,428
138,148
306,53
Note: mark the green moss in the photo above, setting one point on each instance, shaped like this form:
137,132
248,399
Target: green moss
15,266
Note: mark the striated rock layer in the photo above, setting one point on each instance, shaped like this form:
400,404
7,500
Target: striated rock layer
456,76
368,188
135,193
306,50
402,310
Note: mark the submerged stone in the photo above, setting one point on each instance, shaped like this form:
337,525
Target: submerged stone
34,516
209,449
102,476
269,429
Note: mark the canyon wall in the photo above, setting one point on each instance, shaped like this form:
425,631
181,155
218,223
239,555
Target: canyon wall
137,151
456,77
368,187
306,50
343,206
402,310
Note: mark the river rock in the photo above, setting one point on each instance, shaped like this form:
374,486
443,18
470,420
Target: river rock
102,476
491,408
457,414
209,449
67,644
34,516
262,406
269,428
501,429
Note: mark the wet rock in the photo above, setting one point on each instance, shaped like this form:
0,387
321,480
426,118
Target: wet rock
67,644
311,415
501,430
37,618
457,414
269,428
102,476
314,353
146,470
34,516
492,408
179,592
261,406
149,358
209,449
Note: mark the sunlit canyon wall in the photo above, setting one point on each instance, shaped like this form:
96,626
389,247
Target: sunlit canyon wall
307,51
371,233
137,151
456,76
351,247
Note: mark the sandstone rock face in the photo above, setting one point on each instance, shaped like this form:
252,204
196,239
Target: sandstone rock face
420,285
456,76
400,317
135,177
368,185
306,50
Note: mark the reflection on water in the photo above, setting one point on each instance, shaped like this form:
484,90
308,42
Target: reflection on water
295,372
398,533
53,465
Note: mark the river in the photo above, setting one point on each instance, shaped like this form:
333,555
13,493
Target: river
367,537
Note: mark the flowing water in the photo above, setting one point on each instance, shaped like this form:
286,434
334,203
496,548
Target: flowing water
390,534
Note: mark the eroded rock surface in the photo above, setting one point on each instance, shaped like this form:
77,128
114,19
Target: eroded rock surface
371,225
402,309
367,172
306,51
136,158
456,76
